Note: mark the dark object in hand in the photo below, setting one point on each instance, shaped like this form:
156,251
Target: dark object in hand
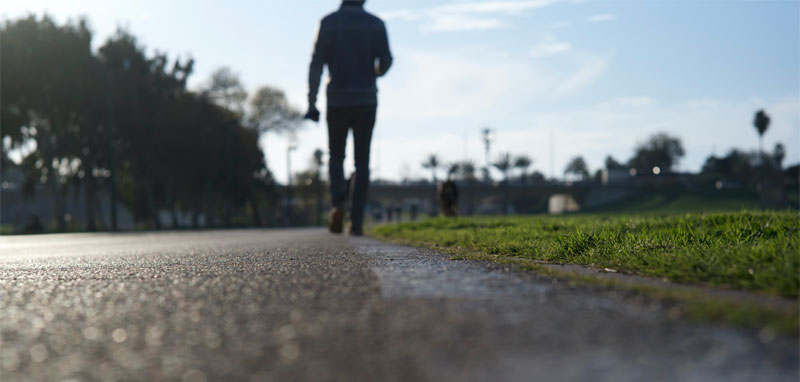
312,114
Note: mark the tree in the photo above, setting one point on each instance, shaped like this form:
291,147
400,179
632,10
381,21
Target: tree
48,77
226,89
173,149
577,166
737,166
612,164
452,170
522,163
143,93
761,123
503,164
468,169
660,150
271,112
778,154
318,160
432,163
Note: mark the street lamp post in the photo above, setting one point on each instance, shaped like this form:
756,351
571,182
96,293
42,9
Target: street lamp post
488,137
318,161
292,145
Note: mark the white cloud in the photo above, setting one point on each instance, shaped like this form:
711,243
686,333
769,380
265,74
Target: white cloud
703,103
454,84
451,23
626,103
400,14
587,73
466,16
602,17
508,7
559,25
436,101
549,48
474,81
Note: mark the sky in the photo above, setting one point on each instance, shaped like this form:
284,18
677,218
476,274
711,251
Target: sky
553,79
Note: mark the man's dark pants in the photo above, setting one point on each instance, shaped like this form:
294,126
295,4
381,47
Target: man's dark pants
341,119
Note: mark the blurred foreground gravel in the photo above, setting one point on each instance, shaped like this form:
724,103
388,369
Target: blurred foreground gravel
301,305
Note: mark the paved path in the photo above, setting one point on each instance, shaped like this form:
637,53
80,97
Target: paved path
300,305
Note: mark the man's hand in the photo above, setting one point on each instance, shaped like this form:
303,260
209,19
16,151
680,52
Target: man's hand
312,113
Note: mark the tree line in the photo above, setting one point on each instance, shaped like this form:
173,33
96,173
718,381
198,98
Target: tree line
659,153
123,122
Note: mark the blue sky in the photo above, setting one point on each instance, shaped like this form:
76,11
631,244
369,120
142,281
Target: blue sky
596,77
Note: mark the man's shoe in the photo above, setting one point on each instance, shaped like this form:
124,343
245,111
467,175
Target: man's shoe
355,231
336,222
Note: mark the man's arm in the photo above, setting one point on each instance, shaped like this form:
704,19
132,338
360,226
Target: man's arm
384,56
318,58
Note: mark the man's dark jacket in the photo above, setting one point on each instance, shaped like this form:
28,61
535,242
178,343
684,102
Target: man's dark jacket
354,45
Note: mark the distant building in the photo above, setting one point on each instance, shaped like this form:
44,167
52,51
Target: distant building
664,179
617,177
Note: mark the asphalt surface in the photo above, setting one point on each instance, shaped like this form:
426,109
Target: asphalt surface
301,305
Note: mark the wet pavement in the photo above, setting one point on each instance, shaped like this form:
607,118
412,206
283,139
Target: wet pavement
301,305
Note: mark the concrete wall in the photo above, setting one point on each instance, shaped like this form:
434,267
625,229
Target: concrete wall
18,211
562,203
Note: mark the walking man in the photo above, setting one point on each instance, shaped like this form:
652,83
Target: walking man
354,45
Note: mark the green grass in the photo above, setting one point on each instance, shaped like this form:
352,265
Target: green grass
682,201
753,251
6,229
757,251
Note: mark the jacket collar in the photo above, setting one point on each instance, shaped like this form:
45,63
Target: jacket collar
352,4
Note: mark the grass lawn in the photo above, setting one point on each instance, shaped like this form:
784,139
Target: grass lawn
681,201
753,251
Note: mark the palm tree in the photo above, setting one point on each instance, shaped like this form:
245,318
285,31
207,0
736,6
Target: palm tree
452,170
761,123
468,170
779,154
522,163
432,163
503,164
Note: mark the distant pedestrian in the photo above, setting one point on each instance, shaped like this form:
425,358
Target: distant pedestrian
354,45
447,193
